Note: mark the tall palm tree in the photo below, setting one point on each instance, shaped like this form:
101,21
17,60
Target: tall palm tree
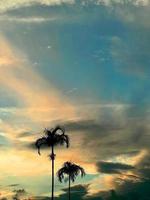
70,170
52,138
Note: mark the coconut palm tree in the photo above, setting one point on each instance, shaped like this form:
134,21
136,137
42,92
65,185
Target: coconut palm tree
70,170
52,138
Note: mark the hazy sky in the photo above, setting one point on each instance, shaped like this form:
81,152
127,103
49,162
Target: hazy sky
83,64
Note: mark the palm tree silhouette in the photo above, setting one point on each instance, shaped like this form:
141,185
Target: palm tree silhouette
72,171
52,138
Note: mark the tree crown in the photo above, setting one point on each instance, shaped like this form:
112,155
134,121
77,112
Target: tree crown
70,169
53,137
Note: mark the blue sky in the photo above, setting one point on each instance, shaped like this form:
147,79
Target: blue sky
82,64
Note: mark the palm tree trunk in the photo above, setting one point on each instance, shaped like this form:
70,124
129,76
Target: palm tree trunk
69,189
52,157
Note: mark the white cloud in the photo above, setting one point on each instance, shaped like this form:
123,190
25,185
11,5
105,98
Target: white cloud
6,5
135,2
27,19
7,110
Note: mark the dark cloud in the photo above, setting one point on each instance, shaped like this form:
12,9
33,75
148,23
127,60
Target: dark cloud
114,133
78,192
19,194
136,188
30,133
40,198
144,167
91,126
14,185
25,134
113,168
122,131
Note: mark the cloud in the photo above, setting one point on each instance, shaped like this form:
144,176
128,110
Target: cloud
25,134
113,168
132,187
4,141
112,132
125,187
99,131
132,59
6,5
33,92
19,193
90,126
13,185
9,5
129,181
77,192
27,20
38,104
143,166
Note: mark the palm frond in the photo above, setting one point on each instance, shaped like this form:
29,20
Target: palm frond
53,137
67,141
39,142
63,140
82,171
61,129
70,169
61,173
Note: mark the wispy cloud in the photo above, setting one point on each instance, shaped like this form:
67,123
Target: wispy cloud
40,102
34,19
6,5
34,92
105,130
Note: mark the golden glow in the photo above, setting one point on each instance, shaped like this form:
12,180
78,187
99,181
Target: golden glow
40,100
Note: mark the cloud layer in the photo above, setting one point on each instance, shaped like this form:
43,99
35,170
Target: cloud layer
101,50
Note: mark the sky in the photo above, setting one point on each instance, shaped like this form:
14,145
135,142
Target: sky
85,65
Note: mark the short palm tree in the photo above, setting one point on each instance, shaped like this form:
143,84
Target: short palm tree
52,138
70,170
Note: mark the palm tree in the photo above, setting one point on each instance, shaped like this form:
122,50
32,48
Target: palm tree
52,138
72,171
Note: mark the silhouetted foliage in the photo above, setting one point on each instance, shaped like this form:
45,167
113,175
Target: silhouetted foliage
52,138
72,171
